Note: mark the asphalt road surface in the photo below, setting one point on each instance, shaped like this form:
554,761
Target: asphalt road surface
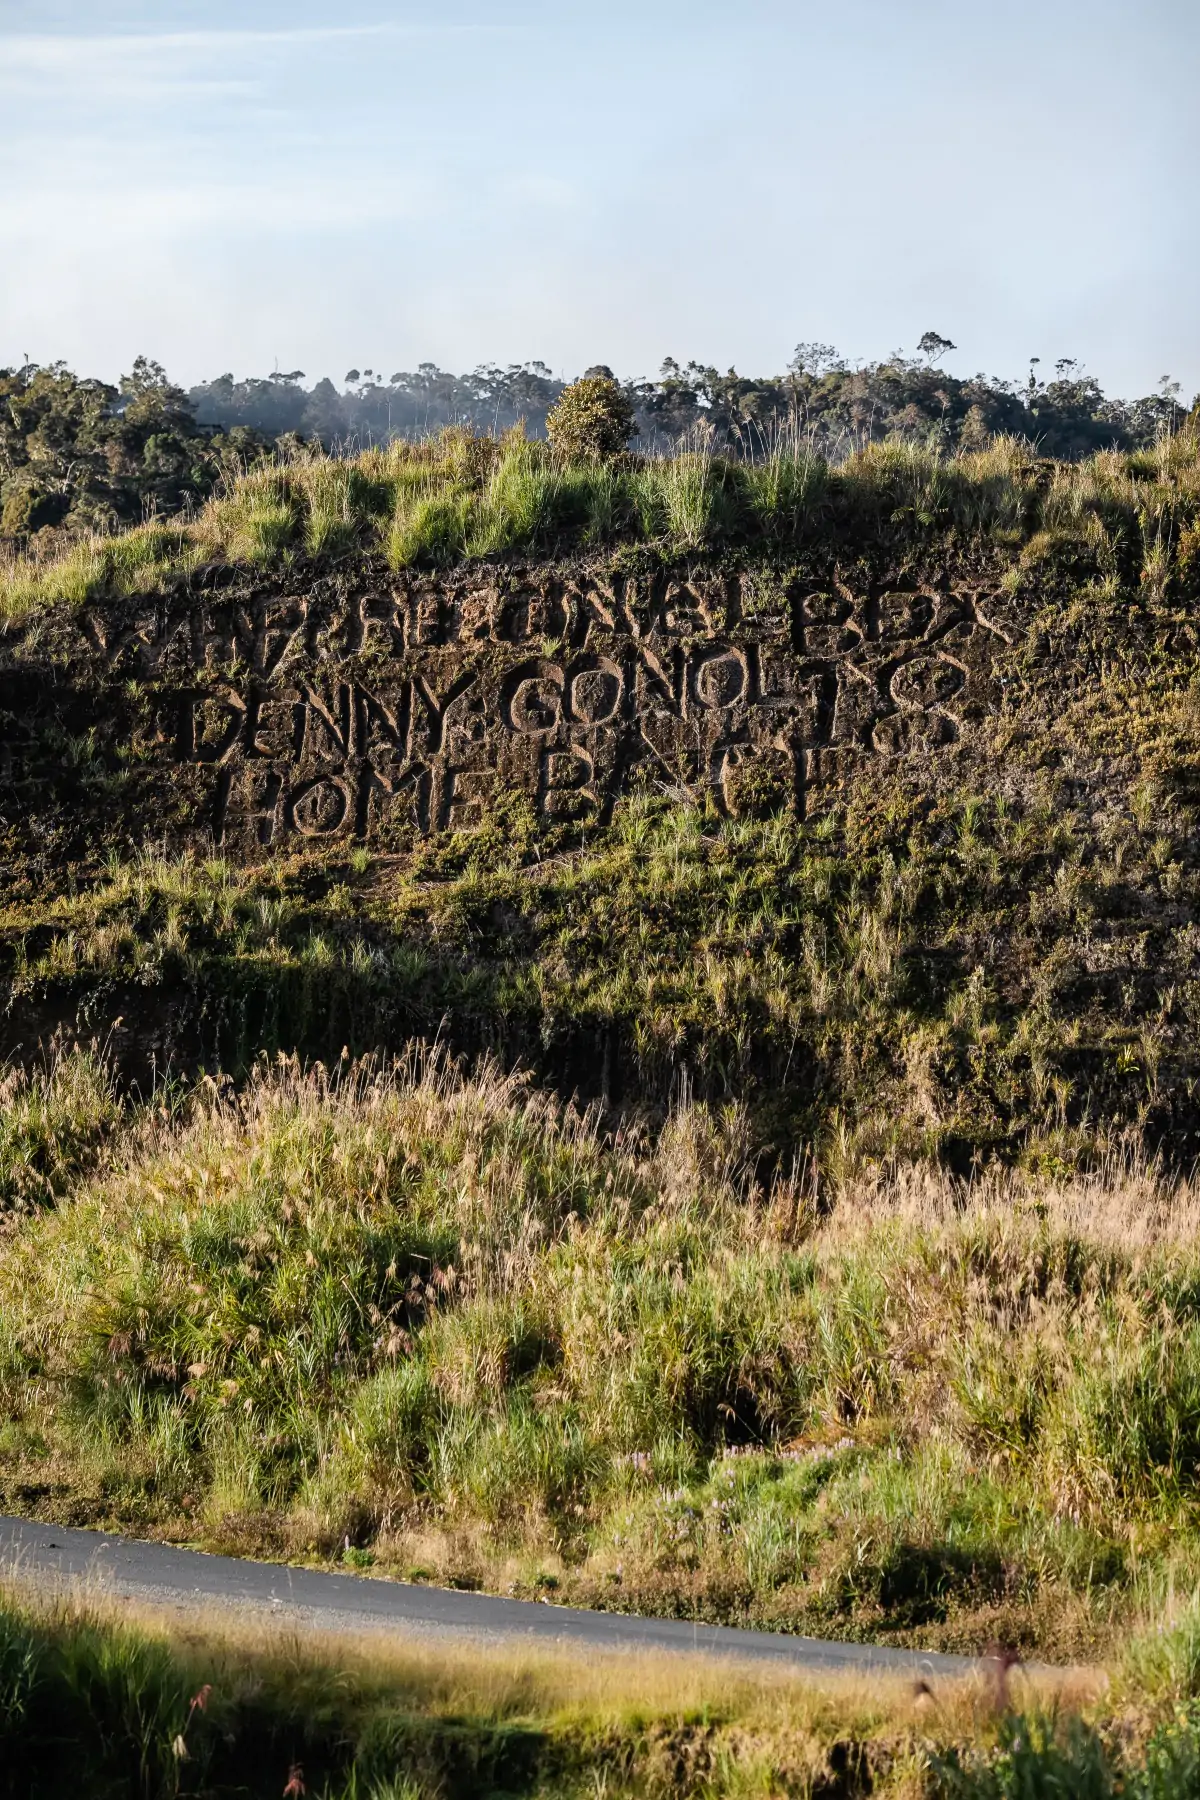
53,1557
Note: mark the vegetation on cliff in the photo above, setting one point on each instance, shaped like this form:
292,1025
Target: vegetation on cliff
938,966
80,455
1128,521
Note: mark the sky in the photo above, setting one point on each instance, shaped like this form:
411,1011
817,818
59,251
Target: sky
318,186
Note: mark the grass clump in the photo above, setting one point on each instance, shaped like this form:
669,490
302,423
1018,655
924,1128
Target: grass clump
52,1127
137,561
447,1323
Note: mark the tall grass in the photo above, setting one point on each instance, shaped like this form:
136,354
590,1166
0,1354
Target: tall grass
136,561
454,495
446,1324
53,1125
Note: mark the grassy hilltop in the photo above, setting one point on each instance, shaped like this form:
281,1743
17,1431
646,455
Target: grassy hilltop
829,1262
433,501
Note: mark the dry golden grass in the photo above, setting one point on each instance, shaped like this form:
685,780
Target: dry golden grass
565,1686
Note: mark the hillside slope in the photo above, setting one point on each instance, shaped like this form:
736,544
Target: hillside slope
808,824
883,824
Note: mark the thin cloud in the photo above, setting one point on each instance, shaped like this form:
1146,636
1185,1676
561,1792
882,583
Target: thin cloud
151,68
544,191
97,215
51,53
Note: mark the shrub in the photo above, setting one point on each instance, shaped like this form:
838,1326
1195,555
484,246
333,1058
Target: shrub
592,420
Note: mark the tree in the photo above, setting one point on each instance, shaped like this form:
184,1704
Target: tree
78,456
53,451
817,360
323,416
933,346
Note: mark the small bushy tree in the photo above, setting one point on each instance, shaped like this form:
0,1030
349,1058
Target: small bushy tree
592,421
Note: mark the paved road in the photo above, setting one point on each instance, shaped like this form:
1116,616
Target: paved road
52,1556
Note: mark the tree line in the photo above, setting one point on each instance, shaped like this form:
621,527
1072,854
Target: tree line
78,454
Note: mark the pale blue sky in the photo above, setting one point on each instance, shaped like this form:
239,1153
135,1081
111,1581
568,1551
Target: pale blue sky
320,185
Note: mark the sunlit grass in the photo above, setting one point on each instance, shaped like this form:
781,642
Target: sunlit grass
448,1322
136,561
132,1698
453,496
52,1125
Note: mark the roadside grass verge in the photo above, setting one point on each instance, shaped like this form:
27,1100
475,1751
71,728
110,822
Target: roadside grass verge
454,496
96,1700
393,1316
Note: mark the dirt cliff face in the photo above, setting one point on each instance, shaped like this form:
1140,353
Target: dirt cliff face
252,716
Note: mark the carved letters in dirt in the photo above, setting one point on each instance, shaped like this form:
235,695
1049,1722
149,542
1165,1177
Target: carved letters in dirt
382,713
